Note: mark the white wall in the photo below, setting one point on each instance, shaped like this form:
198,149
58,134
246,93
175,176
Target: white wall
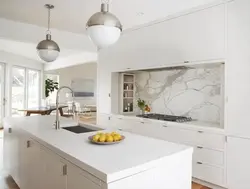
11,60
85,71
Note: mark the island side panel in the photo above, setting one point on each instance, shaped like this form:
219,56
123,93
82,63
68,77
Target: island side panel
174,173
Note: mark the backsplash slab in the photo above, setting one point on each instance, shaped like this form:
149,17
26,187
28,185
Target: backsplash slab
192,92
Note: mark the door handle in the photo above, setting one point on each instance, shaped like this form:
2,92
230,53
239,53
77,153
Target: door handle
4,101
10,130
28,144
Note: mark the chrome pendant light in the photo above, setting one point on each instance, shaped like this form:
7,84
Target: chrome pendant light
104,28
48,50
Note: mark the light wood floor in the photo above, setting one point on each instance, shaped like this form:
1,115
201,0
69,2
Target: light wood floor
6,182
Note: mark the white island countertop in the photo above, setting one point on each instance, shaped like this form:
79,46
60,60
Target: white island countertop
108,163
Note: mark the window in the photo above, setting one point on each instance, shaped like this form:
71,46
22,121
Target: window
18,90
25,89
33,88
52,96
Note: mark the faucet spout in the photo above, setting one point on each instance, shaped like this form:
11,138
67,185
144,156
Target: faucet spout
57,122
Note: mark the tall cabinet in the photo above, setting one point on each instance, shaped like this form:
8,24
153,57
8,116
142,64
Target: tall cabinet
238,93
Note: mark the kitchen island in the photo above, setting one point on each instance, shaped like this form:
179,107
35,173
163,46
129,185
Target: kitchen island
38,156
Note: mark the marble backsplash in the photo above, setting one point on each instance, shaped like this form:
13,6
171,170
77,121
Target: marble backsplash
194,92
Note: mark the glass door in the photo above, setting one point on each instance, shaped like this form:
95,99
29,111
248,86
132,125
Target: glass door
18,90
33,80
2,92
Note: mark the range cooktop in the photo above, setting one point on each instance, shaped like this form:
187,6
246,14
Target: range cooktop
166,117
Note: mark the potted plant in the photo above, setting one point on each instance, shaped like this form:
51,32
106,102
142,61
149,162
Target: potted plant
50,86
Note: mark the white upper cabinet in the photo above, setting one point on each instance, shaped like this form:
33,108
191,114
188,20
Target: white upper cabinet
196,36
237,87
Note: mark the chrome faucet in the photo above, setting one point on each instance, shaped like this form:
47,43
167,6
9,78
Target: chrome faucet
57,122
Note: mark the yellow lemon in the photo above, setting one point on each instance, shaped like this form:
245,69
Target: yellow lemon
108,134
109,139
96,138
113,133
116,138
102,138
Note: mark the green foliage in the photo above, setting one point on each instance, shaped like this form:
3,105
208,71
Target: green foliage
141,104
50,86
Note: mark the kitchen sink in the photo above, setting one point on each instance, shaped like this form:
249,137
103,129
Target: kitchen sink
80,129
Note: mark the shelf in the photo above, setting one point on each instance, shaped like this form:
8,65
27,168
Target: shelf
128,97
128,82
127,90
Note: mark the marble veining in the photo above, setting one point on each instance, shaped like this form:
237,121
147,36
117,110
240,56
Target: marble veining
194,92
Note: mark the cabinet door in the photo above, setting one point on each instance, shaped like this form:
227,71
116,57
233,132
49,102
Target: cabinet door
104,120
77,180
104,88
238,164
31,165
237,88
193,37
11,152
40,168
54,173
122,123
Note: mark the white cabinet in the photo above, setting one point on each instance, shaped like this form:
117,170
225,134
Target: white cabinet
104,120
104,88
209,173
11,152
238,69
193,37
77,179
53,170
238,164
30,164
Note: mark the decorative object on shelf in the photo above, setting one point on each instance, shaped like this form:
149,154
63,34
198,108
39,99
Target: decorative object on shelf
147,108
104,28
50,86
127,92
47,49
141,104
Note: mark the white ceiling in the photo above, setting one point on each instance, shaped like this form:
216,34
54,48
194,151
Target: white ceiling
72,15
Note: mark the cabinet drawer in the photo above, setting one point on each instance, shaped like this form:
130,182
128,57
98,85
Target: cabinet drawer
208,173
175,134
208,156
209,140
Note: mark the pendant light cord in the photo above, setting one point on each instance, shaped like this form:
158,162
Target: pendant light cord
48,31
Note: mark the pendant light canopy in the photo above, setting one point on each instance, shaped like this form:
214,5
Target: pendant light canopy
48,50
104,28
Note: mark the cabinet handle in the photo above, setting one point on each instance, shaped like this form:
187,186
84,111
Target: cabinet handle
119,118
64,169
200,131
199,163
186,62
10,130
164,126
142,122
28,144
200,147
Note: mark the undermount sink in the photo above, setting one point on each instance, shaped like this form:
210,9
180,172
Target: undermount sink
80,129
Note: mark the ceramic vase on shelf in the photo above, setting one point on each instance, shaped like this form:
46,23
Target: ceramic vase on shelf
142,111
